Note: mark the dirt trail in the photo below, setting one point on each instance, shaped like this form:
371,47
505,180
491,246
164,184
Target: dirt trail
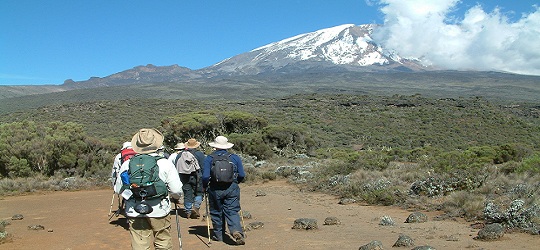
78,220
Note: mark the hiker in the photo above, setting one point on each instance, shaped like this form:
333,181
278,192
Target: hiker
147,182
162,152
118,163
223,190
188,160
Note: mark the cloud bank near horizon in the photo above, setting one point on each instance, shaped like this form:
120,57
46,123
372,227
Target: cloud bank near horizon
479,40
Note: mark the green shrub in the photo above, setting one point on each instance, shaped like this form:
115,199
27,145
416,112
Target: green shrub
530,164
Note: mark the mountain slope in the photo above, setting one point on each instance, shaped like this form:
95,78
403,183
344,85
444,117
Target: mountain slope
348,47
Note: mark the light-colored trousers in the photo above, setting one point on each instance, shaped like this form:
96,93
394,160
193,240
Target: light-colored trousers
145,231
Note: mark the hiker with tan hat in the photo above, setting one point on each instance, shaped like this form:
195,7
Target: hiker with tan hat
222,171
147,182
188,160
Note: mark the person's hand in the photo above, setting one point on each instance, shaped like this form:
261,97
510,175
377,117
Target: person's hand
174,200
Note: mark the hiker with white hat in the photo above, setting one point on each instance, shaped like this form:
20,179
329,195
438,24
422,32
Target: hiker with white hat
147,182
188,161
222,171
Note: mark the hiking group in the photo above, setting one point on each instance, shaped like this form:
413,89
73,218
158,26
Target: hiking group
148,183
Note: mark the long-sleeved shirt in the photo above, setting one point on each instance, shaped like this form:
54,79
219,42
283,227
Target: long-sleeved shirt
161,207
115,174
207,166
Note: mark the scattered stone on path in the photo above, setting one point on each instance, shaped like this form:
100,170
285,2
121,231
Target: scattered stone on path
424,248
50,230
452,237
305,223
260,193
17,217
246,214
386,221
404,241
331,221
36,227
416,217
374,245
255,225
490,232
346,201
478,225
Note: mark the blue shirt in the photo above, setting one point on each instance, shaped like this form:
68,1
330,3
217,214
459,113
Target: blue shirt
207,165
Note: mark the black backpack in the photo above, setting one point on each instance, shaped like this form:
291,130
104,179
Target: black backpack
223,169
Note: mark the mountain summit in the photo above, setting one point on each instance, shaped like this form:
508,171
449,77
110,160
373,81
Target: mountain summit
346,46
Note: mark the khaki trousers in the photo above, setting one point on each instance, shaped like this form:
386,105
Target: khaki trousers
144,231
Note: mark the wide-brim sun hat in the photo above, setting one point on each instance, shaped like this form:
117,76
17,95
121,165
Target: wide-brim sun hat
192,143
147,140
221,142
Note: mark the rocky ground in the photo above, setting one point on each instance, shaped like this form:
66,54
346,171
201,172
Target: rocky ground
79,220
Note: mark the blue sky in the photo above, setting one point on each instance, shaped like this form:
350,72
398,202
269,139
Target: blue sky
47,42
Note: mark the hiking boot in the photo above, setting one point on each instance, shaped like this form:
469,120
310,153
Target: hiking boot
195,213
238,238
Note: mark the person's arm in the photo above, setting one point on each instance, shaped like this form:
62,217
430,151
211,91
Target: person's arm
118,184
239,167
172,158
207,165
167,172
115,169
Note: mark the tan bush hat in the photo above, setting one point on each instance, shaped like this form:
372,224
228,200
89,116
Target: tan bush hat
192,143
147,140
221,142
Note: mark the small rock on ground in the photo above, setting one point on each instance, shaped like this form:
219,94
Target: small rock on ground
404,241
374,245
331,221
305,223
490,232
416,217
17,217
36,227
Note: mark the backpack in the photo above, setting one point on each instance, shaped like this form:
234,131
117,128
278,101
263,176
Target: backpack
186,163
143,178
126,154
223,169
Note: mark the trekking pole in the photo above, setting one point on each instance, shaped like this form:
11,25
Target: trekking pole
243,225
207,219
178,225
112,201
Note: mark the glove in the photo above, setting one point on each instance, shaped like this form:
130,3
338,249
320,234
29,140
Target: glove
175,201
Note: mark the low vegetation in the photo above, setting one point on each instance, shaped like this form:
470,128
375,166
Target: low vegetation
468,157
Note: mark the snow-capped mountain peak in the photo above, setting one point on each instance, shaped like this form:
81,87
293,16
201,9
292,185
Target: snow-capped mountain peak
345,45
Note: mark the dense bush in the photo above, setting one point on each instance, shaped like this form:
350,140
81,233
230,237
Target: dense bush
28,148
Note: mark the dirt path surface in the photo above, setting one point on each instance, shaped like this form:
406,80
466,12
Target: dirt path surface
78,220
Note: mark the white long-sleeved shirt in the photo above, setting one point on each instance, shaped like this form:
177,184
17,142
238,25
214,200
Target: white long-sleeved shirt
161,208
115,174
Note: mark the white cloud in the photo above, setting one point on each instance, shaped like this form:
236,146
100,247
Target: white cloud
427,30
